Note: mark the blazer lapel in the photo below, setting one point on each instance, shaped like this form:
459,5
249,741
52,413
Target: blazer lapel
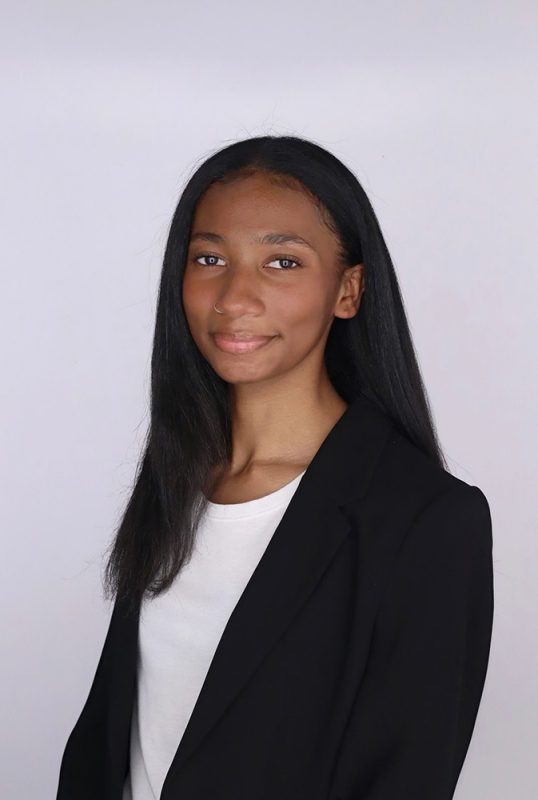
312,529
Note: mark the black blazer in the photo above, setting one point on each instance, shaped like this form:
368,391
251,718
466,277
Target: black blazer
353,664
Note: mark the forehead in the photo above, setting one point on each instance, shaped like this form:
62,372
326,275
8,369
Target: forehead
250,206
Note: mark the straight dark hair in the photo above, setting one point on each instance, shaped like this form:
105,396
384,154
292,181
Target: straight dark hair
190,422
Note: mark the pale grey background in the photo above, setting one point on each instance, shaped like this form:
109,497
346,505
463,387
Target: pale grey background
107,107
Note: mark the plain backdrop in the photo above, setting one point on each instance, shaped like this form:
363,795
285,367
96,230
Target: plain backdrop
107,109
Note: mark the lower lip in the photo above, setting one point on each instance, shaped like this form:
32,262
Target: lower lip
234,346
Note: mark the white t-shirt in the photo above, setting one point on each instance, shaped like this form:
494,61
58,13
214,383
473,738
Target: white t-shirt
180,629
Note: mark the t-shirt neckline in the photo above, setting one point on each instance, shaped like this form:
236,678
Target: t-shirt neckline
267,502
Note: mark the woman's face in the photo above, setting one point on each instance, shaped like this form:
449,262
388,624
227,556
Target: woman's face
287,291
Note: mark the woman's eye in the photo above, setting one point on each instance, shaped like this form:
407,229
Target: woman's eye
215,258
288,261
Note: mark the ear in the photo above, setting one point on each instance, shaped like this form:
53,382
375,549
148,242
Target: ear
352,287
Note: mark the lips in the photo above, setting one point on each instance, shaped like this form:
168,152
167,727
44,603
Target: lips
240,342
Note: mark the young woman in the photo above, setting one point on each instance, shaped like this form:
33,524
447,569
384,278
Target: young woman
303,594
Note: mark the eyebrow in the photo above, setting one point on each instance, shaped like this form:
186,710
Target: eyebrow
268,238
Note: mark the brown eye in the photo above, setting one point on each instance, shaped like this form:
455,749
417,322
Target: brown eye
289,260
207,255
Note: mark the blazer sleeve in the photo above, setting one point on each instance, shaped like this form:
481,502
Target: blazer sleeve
82,766
415,710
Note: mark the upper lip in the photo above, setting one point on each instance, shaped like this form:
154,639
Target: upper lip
242,336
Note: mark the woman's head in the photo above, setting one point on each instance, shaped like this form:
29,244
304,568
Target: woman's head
264,259
251,187
340,312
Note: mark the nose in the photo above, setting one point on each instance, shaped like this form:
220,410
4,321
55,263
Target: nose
239,294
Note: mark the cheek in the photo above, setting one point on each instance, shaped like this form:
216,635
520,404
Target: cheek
196,299
305,309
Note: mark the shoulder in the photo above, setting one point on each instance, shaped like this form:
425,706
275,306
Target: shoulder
408,490
405,470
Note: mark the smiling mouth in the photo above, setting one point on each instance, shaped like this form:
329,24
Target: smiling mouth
230,343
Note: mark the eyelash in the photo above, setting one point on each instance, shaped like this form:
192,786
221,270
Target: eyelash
277,258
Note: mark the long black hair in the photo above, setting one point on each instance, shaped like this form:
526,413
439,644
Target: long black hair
190,423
